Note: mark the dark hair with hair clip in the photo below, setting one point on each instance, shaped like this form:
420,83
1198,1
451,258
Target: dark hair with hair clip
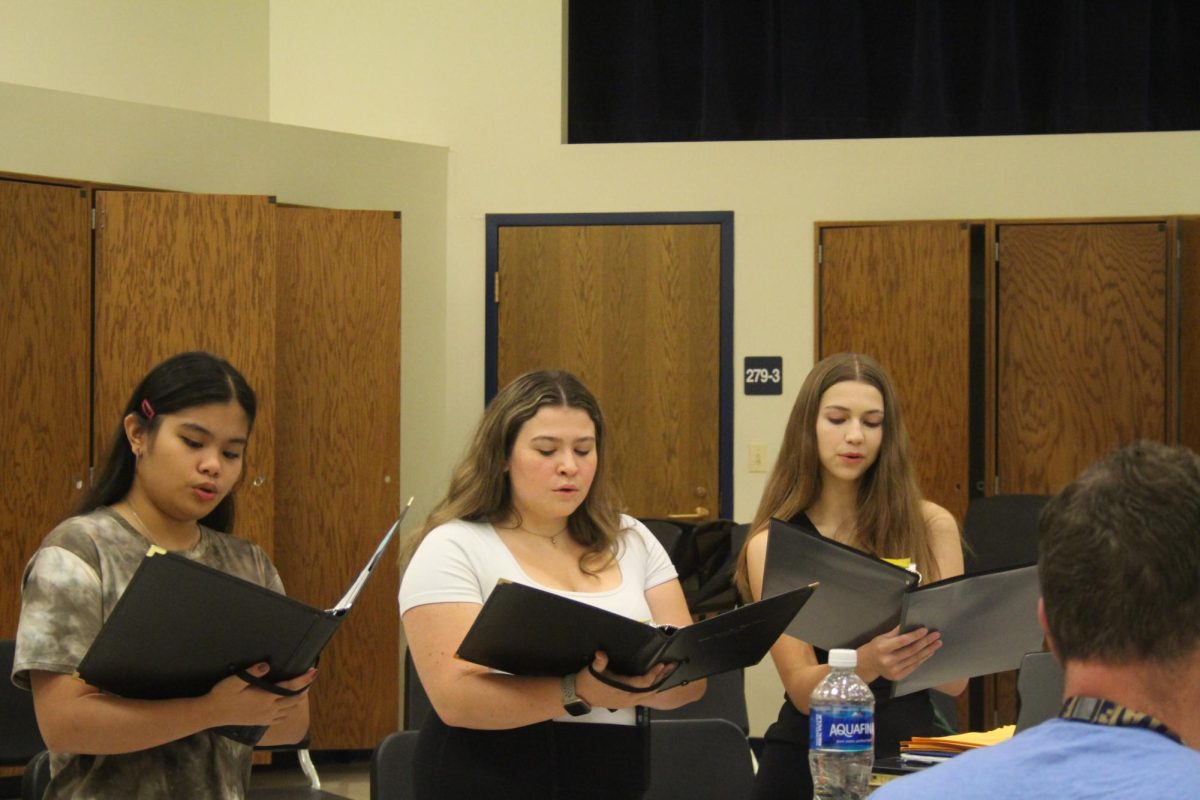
183,381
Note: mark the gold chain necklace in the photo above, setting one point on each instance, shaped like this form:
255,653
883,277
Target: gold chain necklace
146,528
552,537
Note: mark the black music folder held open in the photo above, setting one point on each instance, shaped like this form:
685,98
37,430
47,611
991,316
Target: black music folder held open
182,626
988,620
524,630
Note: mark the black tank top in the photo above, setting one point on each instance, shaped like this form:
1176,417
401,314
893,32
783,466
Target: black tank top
895,719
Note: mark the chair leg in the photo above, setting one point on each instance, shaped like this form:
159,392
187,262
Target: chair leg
310,772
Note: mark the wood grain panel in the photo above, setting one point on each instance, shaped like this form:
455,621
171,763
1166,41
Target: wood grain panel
1082,338
634,311
1189,332
45,283
178,272
338,452
901,293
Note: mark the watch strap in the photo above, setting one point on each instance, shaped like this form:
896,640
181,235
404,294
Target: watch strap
574,705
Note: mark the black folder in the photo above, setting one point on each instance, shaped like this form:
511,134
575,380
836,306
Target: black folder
988,620
860,594
524,630
182,626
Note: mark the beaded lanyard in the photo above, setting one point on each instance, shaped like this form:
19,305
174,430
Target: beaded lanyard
1098,711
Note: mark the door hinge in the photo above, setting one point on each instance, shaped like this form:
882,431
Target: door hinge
496,287
93,219
820,254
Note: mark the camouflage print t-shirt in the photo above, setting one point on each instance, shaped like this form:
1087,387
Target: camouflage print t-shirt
69,589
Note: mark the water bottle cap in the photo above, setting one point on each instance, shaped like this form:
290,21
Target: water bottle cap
843,658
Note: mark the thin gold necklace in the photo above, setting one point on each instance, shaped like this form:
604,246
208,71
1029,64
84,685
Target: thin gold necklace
552,537
146,528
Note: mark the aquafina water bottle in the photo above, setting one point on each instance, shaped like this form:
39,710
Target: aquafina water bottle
841,743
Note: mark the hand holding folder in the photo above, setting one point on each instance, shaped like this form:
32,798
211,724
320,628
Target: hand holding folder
181,626
988,620
524,630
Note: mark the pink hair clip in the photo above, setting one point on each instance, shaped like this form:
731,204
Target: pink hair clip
147,410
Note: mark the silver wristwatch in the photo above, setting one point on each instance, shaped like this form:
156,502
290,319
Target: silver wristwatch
575,705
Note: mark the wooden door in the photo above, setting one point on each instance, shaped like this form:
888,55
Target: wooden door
178,272
1082,347
45,283
338,452
1189,331
901,292
635,312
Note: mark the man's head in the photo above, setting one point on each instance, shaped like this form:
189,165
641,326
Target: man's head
1119,558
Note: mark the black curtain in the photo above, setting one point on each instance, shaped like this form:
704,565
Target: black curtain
691,70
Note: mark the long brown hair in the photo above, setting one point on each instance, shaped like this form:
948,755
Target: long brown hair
479,487
890,521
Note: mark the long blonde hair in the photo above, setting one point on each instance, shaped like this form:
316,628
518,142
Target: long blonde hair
479,486
890,521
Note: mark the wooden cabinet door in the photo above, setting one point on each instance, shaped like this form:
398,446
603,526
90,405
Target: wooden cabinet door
1189,331
45,283
901,293
634,312
1082,347
338,453
176,272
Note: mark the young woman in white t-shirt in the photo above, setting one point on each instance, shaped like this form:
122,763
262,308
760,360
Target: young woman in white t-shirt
531,503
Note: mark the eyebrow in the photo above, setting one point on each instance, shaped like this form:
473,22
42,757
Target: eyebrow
549,438
198,428
843,408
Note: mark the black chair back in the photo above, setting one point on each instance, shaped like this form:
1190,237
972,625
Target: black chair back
669,535
20,739
391,767
1001,531
1039,689
725,698
416,702
699,759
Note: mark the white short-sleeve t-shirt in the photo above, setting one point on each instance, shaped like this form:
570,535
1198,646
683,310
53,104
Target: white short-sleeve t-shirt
461,562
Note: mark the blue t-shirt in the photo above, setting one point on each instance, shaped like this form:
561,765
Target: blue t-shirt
1064,760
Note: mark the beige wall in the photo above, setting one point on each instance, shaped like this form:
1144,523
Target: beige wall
485,81
204,56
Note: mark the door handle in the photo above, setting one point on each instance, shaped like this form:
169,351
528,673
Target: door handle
700,513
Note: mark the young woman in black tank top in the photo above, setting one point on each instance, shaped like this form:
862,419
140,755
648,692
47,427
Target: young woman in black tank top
844,470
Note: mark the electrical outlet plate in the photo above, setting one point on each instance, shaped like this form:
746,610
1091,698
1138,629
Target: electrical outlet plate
758,457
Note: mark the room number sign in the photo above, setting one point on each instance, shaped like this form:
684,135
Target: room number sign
763,375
